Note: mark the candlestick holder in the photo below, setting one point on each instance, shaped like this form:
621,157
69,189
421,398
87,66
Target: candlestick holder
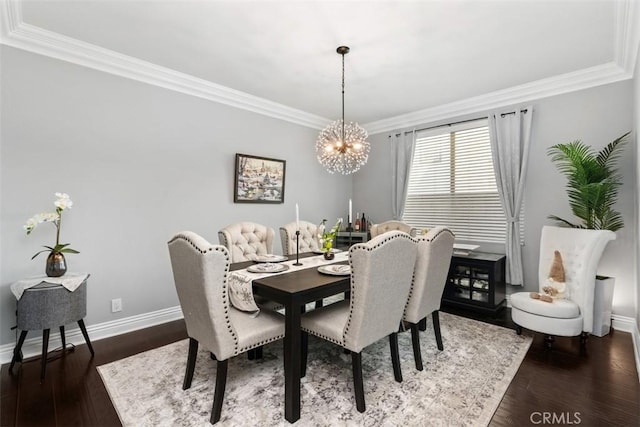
297,248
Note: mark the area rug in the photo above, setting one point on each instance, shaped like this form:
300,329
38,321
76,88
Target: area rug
460,386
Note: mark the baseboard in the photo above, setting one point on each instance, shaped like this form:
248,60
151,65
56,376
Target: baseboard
628,324
33,346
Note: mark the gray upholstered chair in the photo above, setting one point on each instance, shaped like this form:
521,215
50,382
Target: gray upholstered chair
580,251
200,272
383,227
375,308
308,237
429,278
47,306
246,240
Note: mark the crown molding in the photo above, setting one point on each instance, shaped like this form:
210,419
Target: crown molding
627,37
564,83
18,34
626,45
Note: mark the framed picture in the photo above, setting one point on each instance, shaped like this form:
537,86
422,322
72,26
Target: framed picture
258,179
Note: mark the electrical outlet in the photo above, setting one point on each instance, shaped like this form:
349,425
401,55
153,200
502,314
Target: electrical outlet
116,305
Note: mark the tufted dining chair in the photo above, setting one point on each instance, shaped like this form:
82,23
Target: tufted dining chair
383,227
308,237
246,240
429,278
580,250
200,272
374,309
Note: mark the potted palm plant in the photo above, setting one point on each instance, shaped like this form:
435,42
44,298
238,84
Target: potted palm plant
593,182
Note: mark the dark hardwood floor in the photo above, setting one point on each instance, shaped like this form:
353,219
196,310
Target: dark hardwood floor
557,387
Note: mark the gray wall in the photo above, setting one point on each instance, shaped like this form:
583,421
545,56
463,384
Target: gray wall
140,163
597,116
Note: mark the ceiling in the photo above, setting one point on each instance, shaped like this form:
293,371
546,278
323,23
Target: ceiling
405,56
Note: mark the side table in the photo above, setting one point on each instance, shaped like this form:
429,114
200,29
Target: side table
49,305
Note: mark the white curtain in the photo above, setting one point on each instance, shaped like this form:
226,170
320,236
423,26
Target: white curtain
510,135
402,146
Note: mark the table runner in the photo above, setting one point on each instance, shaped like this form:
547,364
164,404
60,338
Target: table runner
71,281
241,290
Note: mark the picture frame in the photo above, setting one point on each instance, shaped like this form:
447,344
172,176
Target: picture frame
258,179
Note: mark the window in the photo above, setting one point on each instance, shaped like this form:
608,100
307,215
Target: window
452,183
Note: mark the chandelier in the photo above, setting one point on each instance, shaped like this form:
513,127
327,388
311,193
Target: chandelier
342,147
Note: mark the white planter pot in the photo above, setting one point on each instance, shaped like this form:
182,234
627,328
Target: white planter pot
602,304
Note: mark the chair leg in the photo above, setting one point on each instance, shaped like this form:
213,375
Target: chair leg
85,335
518,329
548,341
395,356
435,316
191,363
258,352
319,303
17,352
358,386
218,397
415,341
422,324
584,336
45,347
304,343
251,354
63,338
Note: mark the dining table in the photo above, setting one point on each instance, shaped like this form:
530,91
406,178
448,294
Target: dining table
294,290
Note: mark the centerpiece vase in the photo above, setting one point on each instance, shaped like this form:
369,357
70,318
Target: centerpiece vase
56,264
328,254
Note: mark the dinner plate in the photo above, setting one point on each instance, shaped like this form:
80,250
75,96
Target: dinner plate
267,267
335,269
320,251
270,258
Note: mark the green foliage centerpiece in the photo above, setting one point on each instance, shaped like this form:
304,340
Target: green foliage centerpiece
327,237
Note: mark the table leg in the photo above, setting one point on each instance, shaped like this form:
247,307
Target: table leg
17,352
292,362
45,346
83,328
63,338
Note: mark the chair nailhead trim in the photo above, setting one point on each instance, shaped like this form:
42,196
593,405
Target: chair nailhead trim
263,342
367,247
225,298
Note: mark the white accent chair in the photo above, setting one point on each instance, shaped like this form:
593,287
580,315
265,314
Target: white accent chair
383,227
374,309
429,278
246,240
581,250
200,272
308,238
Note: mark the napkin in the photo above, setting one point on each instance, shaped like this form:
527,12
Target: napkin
241,293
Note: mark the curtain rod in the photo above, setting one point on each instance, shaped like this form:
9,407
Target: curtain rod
457,123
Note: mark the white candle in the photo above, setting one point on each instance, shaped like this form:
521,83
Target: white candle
297,218
350,212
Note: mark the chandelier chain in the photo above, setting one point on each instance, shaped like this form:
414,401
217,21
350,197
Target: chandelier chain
342,147
343,97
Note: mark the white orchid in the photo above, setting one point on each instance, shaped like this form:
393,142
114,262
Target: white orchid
62,202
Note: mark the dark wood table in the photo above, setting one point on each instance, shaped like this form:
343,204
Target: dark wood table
294,290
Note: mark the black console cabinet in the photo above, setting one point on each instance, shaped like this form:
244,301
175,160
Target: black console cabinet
476,281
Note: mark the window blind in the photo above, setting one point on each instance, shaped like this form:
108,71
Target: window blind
452,183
